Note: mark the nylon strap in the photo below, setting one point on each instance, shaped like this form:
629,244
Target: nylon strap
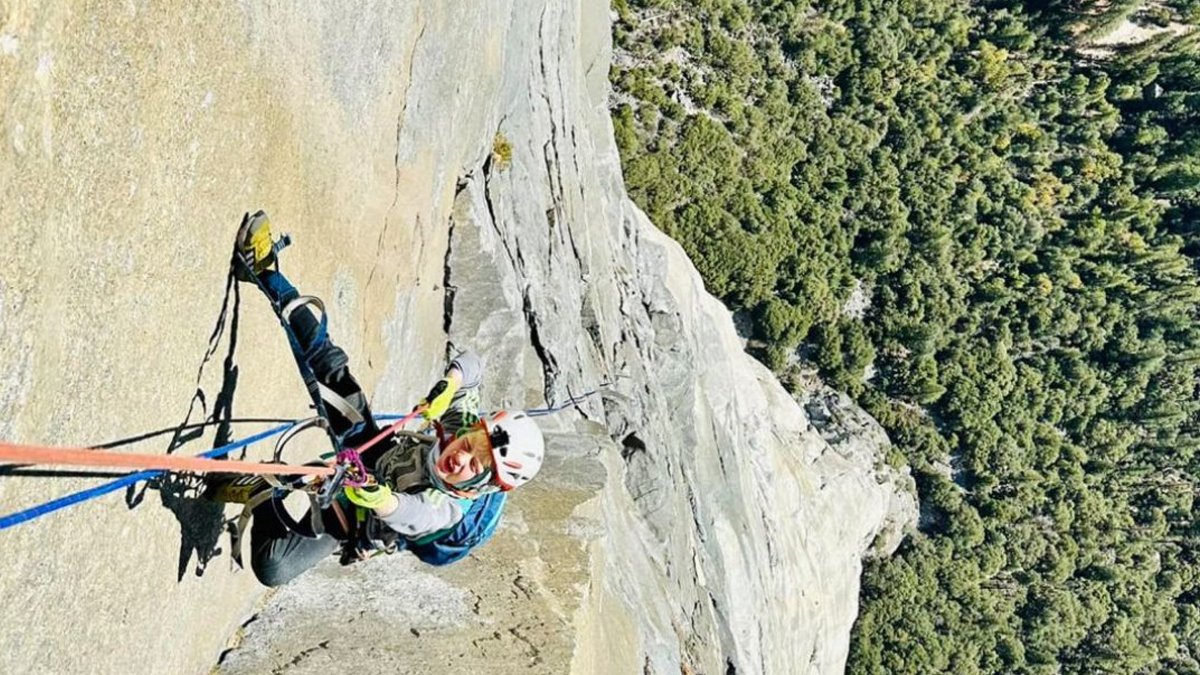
300,301
235,536
339,403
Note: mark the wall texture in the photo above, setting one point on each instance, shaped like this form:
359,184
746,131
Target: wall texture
691,517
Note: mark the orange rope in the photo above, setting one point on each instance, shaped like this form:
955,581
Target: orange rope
30,454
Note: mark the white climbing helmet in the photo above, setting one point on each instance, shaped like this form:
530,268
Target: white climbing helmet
517,448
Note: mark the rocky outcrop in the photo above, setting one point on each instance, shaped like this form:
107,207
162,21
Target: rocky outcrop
693,517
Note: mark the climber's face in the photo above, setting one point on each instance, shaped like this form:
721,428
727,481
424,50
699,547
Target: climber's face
465,457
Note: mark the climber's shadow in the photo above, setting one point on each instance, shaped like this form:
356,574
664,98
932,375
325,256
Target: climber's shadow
201,521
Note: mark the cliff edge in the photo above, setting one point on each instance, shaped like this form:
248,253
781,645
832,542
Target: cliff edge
449,175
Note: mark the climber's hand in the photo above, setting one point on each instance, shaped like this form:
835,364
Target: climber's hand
437,401
370,496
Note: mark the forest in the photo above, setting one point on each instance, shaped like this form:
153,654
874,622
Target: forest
982,220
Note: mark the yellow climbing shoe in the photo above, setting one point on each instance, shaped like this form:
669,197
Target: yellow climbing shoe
254,246
232,488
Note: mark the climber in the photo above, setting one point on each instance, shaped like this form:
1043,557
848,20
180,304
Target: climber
436,496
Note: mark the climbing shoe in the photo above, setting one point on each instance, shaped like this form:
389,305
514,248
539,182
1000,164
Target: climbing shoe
254,248
233,488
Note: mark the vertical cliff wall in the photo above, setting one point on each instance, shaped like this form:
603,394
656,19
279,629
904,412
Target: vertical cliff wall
691,516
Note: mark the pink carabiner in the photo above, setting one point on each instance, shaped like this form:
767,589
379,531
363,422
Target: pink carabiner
356,473
353,460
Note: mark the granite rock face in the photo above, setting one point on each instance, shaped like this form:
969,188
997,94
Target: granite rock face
692,515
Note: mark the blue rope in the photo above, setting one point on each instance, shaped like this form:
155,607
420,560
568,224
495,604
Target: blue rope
91,493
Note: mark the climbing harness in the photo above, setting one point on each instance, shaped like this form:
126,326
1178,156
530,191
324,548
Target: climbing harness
348,470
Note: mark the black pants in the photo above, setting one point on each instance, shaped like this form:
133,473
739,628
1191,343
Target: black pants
282,548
